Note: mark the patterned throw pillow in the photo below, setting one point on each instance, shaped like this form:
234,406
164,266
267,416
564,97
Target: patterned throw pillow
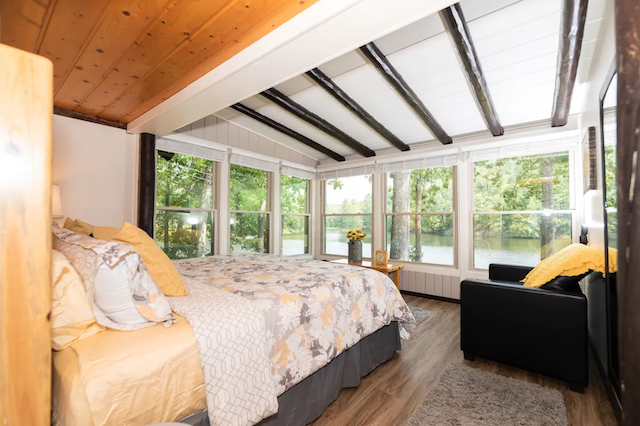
88,255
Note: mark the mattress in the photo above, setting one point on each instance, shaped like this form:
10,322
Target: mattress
128,378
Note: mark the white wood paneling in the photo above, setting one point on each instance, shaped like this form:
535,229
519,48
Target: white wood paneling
518,47
430,284
455,288
221,131
438,285
404,280
294,85
367,87
446,286
412,280
421,282
432,70
430,280
318,101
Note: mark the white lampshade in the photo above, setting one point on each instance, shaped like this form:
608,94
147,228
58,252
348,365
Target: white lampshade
56,205
593,209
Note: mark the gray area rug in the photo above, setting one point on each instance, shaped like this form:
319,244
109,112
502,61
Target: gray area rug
419,314
466,396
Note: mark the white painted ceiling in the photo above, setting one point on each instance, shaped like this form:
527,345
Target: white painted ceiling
517,43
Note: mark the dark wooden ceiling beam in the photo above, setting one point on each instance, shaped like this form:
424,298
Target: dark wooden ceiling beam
304,114
89,118
574,16
348,102
287,131
393,77
456,26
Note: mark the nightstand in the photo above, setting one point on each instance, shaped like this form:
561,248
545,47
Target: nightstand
385,268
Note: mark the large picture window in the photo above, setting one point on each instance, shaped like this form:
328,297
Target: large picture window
522,209
250,209
420,216
184,223
294,207
347,206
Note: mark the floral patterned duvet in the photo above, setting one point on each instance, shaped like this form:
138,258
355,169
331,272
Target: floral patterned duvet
313,310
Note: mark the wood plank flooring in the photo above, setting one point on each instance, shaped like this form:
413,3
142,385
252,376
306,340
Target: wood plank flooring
388,396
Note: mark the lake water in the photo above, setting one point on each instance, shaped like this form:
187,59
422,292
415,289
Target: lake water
438,249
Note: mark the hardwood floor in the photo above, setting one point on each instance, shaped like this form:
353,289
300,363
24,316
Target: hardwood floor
388,396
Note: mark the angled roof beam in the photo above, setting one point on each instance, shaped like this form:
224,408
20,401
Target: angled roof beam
574,16
396,81
456,27
287,131
341,96
304,114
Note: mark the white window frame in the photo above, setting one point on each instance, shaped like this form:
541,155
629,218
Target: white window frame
454,212
307,214
324,215
214,200
472,211
268,212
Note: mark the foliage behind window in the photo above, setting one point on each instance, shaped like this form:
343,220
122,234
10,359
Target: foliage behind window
249,193
186,182
248,188
348,206
293,194
522,183
538,184
295,217
435,188
419,237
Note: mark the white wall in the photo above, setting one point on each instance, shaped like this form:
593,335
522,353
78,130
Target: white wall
96,167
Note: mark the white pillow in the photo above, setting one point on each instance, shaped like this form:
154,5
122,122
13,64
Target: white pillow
113,295
116,281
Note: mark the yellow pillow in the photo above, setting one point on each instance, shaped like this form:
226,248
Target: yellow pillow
78,226
72,317
105,232
576,259
88,228
162,270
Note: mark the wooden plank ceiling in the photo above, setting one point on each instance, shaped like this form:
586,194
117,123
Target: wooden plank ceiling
117,59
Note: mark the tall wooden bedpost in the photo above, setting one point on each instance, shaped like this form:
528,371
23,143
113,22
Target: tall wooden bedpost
627,19
26,114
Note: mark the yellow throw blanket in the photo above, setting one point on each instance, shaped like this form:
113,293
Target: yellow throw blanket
571,261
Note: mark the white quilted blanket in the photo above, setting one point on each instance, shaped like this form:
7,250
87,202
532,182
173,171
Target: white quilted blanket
231,336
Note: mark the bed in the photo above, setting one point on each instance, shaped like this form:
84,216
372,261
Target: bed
260,340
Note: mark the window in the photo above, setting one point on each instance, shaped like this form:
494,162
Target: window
347,206
184,205
420,216
249,202
294,206
611,190
521,209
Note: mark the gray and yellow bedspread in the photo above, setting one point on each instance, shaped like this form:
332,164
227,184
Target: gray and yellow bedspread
312,310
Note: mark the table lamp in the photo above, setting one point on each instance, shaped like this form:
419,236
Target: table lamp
56,205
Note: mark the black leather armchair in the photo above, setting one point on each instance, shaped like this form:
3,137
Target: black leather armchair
538,330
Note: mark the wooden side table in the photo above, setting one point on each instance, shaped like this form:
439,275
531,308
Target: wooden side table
385,268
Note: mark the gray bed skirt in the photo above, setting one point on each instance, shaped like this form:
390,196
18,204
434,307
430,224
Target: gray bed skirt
307,400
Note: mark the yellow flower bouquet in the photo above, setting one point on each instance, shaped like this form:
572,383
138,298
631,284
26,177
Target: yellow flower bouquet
357,235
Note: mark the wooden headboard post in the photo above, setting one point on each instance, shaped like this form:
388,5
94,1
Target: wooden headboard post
26,115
